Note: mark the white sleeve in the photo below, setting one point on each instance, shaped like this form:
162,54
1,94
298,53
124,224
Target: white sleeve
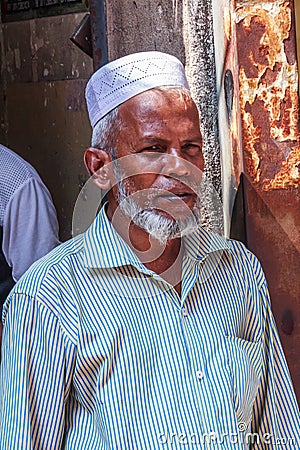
30,227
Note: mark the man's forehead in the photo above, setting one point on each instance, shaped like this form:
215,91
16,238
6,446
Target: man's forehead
158,104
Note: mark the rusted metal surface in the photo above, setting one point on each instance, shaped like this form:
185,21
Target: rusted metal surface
268,82
269,93
297,25
231,63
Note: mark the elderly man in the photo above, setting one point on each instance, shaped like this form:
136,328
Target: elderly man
146,331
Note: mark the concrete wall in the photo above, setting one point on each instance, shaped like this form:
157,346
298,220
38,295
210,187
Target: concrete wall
42,109
143,25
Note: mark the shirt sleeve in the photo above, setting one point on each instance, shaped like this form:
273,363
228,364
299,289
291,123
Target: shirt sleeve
276,418
35,377
30,227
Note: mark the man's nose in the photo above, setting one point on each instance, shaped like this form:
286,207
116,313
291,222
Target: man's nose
175,164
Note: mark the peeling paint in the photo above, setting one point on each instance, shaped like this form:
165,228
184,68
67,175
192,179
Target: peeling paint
227,22
289,175
268,93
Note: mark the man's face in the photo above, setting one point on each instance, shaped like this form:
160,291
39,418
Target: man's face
162,143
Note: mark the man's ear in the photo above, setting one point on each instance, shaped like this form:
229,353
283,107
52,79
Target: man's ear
95,161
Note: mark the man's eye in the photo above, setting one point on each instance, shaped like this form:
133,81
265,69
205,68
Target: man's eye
154,151
192,149
153,148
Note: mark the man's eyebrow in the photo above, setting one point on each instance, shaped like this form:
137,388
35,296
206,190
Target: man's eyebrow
197,140
152,140
193,139
155,140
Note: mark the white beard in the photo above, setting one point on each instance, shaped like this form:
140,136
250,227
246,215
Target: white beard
154,222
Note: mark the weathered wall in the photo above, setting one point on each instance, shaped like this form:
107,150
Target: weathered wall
201,70
143,25
42,107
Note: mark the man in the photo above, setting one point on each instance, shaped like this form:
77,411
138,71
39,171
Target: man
28,222
146,331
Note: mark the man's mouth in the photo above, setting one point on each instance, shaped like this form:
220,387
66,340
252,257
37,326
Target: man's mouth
174,196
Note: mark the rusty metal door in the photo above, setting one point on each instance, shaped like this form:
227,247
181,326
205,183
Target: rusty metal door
269,102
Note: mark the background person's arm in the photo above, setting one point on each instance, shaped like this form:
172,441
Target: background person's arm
30,227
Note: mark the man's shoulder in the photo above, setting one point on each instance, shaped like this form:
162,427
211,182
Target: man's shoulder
241,249
42,272
247,262
244,261
49,287
204,243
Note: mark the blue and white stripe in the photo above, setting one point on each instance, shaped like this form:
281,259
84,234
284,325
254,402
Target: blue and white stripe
101,353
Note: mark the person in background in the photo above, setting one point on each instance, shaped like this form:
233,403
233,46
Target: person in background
28,222
146,331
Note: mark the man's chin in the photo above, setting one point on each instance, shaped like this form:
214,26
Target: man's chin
163,227
162,224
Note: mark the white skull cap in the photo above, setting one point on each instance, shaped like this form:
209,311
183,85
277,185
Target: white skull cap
128,76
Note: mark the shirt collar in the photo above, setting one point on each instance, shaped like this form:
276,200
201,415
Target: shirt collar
202,243
104,247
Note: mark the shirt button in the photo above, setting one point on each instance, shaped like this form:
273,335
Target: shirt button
213,435
200,374
184,312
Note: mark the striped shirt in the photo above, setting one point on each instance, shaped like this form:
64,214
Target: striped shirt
101,353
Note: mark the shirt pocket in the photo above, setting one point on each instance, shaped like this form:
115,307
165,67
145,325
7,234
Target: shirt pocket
244,364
